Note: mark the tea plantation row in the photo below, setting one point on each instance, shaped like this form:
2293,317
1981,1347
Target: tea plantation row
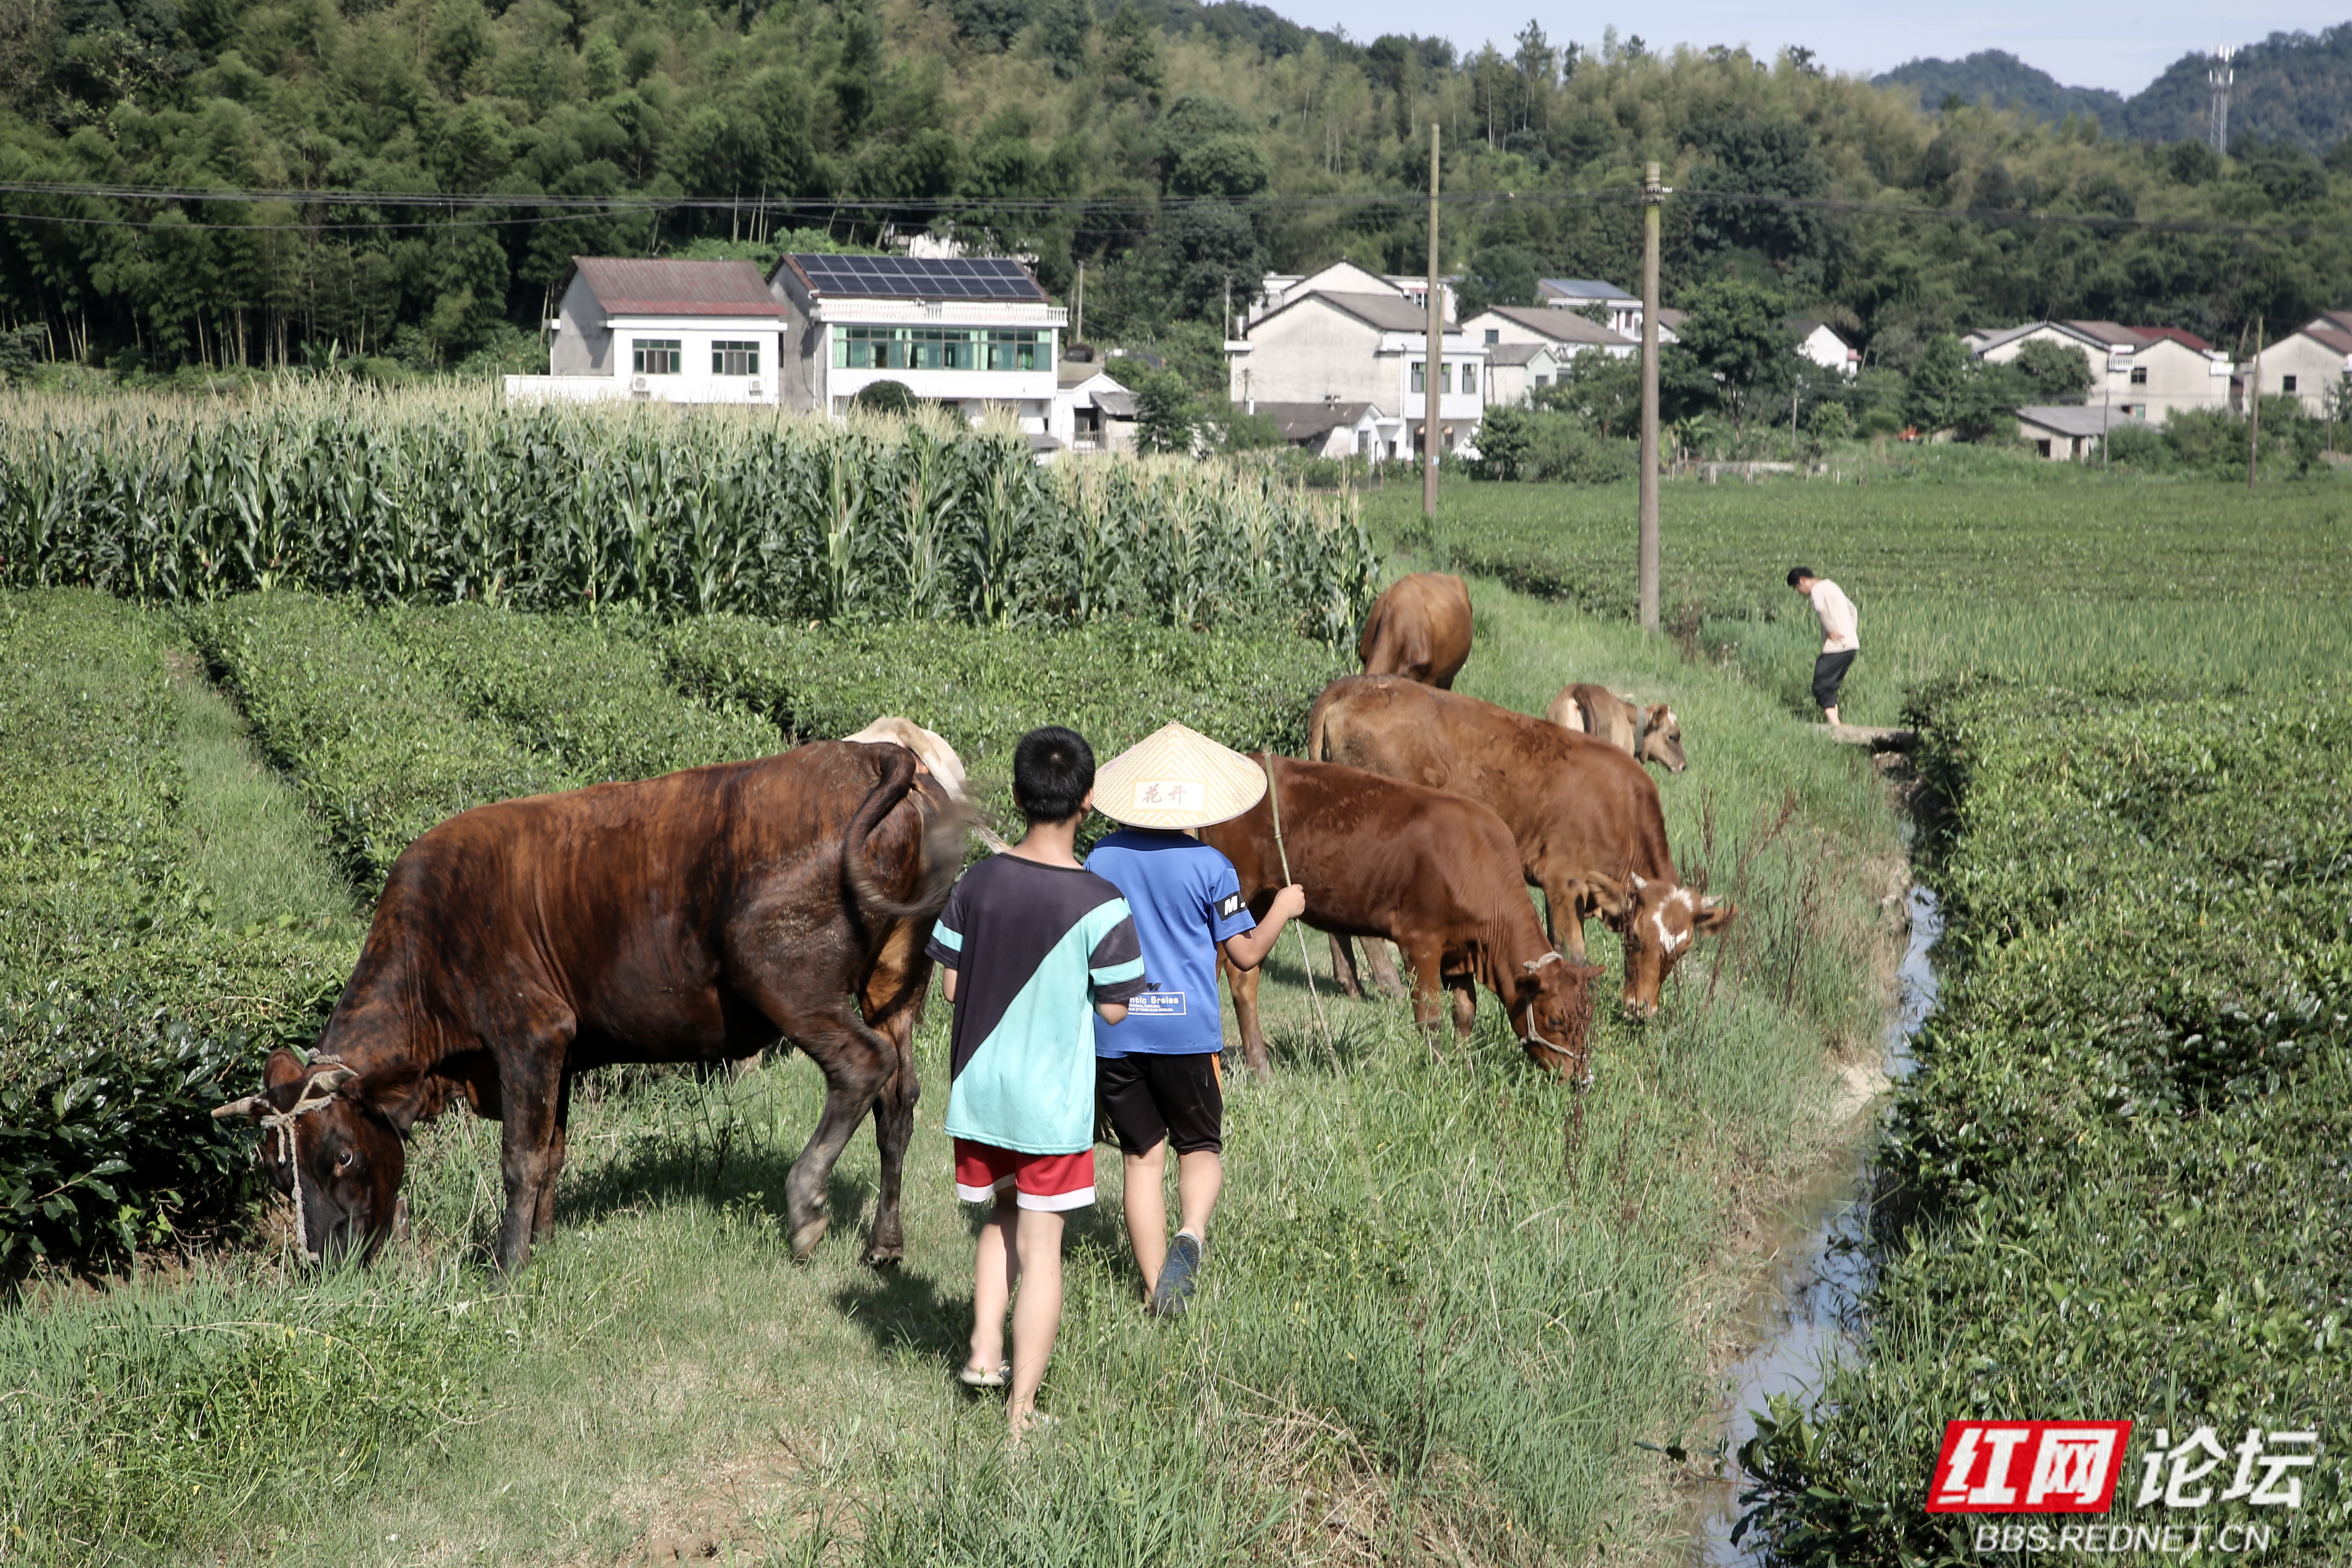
2120,1188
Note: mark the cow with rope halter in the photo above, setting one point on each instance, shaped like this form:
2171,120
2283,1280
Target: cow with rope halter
692,918
1432,872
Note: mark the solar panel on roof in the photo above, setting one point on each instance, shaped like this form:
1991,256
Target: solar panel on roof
934,277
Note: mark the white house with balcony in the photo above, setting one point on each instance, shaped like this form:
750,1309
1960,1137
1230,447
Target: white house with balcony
1337,348
1565,332
1279,289
1580,294
660,331
2312,363
971,333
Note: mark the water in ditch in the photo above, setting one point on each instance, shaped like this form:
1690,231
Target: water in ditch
1811,1305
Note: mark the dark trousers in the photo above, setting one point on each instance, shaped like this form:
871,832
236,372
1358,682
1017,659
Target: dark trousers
1829,674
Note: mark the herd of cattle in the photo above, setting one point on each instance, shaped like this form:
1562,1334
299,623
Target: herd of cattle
705,916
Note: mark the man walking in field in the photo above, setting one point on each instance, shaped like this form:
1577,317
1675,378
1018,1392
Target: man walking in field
1838,643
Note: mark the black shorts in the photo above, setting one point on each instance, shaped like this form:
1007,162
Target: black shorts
1829,674
1145,1098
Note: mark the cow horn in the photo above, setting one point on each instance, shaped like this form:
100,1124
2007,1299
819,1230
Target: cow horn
335,1077
252,1105
1640,882
1533,964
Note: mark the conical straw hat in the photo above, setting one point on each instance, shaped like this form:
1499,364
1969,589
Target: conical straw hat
1176,777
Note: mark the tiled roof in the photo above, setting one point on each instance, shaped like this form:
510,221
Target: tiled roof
1584,288
2109,333
1304,421
1564,326
2180,335
635,286
2084,419
1389,312
1515,353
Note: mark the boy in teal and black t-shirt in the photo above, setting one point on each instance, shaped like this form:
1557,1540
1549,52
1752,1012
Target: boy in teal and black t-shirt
1030,941
1157,1079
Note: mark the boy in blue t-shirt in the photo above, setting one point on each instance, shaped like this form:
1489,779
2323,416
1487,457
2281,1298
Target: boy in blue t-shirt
1028,943
1156,1078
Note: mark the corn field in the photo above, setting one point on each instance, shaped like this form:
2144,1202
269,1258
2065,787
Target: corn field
454,497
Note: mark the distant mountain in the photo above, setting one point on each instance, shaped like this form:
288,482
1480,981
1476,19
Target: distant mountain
2292,87
2008,82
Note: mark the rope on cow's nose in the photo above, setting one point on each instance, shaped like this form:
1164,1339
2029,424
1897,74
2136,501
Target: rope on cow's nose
284,1122
1306,959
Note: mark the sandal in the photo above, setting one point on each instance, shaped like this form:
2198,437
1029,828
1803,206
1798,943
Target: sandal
981,1377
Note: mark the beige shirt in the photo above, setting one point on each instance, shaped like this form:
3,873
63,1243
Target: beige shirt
1837,615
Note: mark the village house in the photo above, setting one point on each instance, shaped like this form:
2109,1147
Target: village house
661,332
1276,290
1578,294
2073,432
2308,363
1366,348
1820,343
970,333
1515,372
1565,332
1093,411
2141,373
1328,429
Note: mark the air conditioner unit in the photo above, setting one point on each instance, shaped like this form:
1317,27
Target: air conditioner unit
639,384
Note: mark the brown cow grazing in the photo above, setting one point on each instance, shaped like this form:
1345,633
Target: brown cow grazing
1419,628
1589,830
1437,874
1651,734
688,919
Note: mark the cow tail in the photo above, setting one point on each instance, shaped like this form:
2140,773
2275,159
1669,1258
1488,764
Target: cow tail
1316,718
942,843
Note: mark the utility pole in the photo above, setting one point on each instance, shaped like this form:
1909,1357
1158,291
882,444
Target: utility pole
1079,309
1653,196
1434,359
2254,408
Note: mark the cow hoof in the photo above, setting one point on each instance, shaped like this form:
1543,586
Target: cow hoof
804,1239
879,1256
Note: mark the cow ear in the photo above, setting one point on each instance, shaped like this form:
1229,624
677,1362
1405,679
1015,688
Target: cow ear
283,1067
1612,900
1714,917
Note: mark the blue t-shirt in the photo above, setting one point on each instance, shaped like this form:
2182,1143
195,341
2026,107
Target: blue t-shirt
1186,898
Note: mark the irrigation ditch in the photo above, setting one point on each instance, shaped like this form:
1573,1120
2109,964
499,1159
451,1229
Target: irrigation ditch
1807,1307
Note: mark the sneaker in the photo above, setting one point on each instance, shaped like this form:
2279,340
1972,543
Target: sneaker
1177,1277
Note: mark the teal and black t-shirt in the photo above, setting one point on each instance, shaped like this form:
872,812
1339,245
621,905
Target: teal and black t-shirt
1034,948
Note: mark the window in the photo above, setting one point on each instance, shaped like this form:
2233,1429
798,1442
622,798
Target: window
1469,378
2286,383
735,358
1493,335
942,348
656,356
1446,380
1543,381
2139,376
1420,376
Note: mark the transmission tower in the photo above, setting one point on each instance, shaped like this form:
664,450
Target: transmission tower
2221,76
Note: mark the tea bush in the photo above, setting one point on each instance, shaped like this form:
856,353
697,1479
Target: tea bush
2119,1184
125,1014
443,497
378,748
574,690
984,688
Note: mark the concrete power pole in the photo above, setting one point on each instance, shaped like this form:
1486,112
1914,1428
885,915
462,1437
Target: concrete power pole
1653,196
1435,358
1079,309
2254,407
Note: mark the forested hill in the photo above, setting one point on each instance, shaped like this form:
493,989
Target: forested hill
2291,86
1173,148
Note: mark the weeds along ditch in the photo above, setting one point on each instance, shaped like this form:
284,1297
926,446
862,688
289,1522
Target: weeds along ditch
2118,1186
2053,577
1445,1294
452,496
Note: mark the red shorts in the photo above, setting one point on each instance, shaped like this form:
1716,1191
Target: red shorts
1049,1182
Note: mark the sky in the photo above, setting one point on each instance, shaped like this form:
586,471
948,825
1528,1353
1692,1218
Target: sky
2089,43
